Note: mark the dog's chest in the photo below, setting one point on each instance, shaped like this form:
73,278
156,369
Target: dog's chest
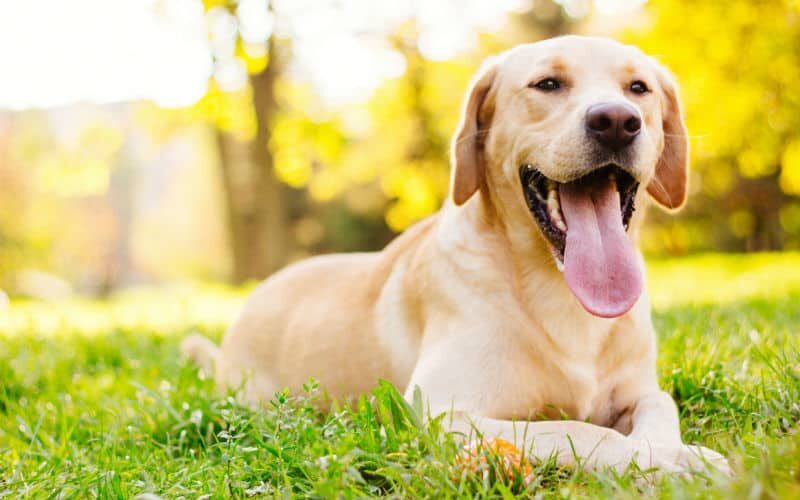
565,376
575,359
572,392
576,391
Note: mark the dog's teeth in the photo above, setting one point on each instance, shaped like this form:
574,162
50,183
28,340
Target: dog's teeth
554,206
555,216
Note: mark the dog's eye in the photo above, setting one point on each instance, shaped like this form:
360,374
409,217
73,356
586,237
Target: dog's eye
639,87
546,85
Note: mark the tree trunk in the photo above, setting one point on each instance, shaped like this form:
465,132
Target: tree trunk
273,194
258,212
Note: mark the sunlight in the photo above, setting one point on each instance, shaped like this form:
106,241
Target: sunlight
55,53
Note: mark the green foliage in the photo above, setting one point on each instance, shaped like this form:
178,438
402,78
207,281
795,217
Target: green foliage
96,402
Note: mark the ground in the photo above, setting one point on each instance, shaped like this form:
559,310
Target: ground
95,401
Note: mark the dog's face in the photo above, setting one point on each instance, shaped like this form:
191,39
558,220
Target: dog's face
573,126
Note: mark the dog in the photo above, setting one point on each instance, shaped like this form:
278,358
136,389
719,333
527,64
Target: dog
521,302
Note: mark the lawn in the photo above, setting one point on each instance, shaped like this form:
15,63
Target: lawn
95,401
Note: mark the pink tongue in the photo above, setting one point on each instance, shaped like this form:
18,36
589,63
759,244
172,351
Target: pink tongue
600,265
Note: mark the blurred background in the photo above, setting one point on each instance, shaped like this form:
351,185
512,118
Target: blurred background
158,141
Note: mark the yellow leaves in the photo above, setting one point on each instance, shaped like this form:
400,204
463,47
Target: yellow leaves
404,145
783,69
296,95
292,167
417,193
717,179
382,141
210,4
361,164
326,185
231,112
732,55
396,140
721,48
298,145
328,143
744,13
82,166
255,56
755,162
438,93
672,238
790,168
741,223
738,63
292,164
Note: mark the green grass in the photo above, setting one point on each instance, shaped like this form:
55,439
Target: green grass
96,402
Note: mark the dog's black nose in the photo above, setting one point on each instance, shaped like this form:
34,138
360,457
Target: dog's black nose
613,124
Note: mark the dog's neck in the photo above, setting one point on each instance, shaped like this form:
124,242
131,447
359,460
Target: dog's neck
509,243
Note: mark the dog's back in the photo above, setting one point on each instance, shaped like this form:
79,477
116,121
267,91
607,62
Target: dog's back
319,318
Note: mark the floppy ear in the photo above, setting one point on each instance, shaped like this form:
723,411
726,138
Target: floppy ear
669,185
467,149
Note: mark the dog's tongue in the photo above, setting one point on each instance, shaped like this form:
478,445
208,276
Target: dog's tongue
600,264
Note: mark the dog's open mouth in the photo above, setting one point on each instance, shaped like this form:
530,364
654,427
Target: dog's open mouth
585,221
543,198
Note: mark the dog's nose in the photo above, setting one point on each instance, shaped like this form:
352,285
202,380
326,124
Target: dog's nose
613,124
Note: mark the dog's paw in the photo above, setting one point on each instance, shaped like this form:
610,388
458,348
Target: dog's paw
698,458
682,459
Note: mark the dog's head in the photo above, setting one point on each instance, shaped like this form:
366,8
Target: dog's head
567,130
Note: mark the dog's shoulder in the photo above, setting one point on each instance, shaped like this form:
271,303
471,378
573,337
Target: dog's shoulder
408,242
403,248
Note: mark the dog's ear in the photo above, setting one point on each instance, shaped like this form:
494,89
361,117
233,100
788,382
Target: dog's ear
467,149
669,184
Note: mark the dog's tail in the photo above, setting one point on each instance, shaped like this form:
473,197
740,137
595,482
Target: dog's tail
202,351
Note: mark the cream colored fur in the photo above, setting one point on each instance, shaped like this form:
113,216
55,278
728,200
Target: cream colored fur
469,304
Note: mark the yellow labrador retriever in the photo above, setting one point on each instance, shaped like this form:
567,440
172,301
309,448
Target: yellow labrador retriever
522,300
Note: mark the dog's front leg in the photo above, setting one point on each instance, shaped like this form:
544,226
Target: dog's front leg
569,442
574,443
655,422
655,419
